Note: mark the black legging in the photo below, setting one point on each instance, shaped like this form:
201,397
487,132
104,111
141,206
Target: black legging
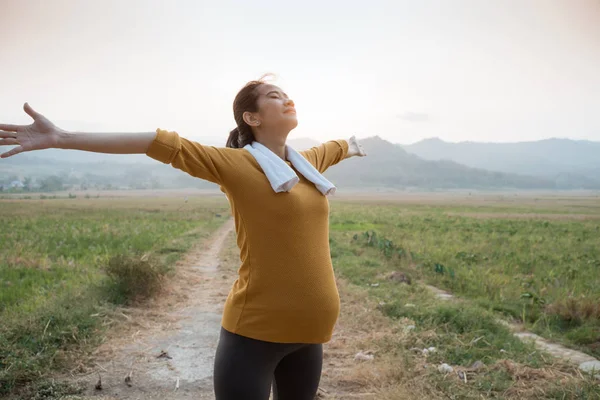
245,368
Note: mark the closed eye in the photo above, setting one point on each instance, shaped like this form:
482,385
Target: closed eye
276,95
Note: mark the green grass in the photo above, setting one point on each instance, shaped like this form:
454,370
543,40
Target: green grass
543,272
53,269
489,264
454,323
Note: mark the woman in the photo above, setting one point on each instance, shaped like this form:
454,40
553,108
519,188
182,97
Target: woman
285,303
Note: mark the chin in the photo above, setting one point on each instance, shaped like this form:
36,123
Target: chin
292,123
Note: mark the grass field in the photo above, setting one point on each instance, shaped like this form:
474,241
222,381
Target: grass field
535,261
52,268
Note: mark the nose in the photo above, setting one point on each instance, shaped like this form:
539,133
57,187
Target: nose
290,102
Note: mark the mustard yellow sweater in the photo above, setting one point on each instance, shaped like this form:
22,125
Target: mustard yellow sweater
286,290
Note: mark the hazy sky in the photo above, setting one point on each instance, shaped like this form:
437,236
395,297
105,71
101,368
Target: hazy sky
502,70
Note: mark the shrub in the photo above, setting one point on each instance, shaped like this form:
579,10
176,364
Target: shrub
136,277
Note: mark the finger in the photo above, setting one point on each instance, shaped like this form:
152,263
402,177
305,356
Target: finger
16,150
8,142
12,128
5,134
32,113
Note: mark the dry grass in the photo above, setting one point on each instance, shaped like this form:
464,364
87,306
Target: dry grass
576,309
361,328
166,193
136,278
553,217
399,372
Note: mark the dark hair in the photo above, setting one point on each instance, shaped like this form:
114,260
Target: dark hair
245,100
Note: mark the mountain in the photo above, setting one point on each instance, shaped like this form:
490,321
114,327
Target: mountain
386,166
106,171
568,163
389,165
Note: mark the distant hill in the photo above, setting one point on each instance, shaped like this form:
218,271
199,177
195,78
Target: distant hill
568,163
389,165
103,172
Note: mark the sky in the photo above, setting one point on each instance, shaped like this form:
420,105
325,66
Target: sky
460,70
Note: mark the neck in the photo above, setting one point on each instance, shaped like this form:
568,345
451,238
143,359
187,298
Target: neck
274,143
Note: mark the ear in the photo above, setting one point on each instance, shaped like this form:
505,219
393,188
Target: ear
251,119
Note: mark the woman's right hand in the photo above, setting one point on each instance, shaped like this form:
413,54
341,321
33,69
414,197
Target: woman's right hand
41,134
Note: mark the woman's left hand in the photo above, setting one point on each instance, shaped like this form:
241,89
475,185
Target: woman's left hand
355,148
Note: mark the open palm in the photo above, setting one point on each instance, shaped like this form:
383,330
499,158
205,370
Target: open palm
41,134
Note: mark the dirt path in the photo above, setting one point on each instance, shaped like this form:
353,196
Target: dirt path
183,326
185,322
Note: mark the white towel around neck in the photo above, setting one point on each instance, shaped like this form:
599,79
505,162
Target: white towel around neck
283,178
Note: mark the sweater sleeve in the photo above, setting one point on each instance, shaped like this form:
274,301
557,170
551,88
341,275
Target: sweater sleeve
205,162
327,154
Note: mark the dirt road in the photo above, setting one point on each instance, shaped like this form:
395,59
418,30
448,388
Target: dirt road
168,350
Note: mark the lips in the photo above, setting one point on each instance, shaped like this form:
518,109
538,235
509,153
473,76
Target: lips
290,111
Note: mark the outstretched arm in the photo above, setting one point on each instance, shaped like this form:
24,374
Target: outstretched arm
204,162
43,134
355,148
330,153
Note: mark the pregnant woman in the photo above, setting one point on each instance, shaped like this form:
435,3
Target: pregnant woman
285,302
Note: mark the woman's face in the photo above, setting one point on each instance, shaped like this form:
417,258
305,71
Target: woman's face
276,112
